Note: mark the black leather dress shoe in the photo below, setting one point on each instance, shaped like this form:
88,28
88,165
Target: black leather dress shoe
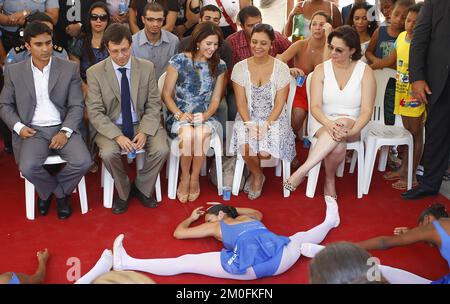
63,208
148,202
119,206
44,205
418,193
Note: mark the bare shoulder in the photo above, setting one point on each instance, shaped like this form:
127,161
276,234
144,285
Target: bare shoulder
319,70
368,73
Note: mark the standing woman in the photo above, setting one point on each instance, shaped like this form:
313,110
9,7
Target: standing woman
197,76
365,28
261,85
304,10
343,92
188,16
307,54
90,50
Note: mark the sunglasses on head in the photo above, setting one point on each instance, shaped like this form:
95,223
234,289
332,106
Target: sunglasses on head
334,48
102,18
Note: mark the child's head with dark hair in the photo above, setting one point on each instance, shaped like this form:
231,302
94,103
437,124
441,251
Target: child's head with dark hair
344,263
433,212
398,15
217,212
386,7
411,17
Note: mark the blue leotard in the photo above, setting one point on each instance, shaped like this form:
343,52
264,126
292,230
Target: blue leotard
14,279
445,241
251,244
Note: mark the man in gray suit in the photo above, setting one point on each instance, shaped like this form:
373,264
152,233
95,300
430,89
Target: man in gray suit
43,104
124,107
429,69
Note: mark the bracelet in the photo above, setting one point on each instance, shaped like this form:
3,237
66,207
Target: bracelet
178,115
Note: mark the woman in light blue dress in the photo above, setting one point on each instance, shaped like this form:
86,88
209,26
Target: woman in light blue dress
192,91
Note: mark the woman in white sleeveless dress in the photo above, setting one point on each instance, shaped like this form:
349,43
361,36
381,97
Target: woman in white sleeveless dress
342,96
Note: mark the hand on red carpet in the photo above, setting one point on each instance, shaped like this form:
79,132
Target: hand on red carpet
400,230
43,256
197,213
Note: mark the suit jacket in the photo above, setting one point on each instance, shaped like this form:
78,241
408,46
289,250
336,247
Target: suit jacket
18,97
429,57
103,97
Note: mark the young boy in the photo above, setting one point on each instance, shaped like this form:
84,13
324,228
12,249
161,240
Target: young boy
381,46
412,111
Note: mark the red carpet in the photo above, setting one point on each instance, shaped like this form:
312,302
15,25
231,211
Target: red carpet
148,232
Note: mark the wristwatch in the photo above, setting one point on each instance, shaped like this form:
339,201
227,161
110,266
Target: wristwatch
67,134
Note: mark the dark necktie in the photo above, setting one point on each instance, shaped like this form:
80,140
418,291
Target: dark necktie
127,123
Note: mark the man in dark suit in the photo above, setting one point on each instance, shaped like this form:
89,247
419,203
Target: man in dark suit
429,66
42,103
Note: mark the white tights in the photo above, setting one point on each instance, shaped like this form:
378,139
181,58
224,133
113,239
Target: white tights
209,263
392,275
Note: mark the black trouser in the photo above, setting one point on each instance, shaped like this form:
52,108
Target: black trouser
437,141
10,40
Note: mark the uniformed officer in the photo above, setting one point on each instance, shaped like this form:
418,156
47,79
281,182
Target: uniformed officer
14,13
20,52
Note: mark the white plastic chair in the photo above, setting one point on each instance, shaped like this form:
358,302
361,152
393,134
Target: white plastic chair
108,181
272,162
29,190
173,163
382,136
356,146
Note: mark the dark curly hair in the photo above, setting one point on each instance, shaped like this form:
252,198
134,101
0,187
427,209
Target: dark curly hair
372,26
437,210
229,210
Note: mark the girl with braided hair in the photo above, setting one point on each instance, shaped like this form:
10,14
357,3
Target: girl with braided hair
250,250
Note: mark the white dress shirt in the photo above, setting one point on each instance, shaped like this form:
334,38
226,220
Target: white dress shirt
45,113
119,79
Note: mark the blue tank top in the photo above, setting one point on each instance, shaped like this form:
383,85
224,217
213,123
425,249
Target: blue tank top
445,241
251,244
385,43
444,280
14,279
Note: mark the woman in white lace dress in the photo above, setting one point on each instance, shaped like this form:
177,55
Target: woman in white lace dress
261,129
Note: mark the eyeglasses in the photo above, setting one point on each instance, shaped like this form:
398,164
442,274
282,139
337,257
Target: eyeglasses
334,48
158,20
102,18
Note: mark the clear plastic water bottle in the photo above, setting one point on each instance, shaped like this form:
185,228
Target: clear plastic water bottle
10,57
123,7
131,155
306,143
